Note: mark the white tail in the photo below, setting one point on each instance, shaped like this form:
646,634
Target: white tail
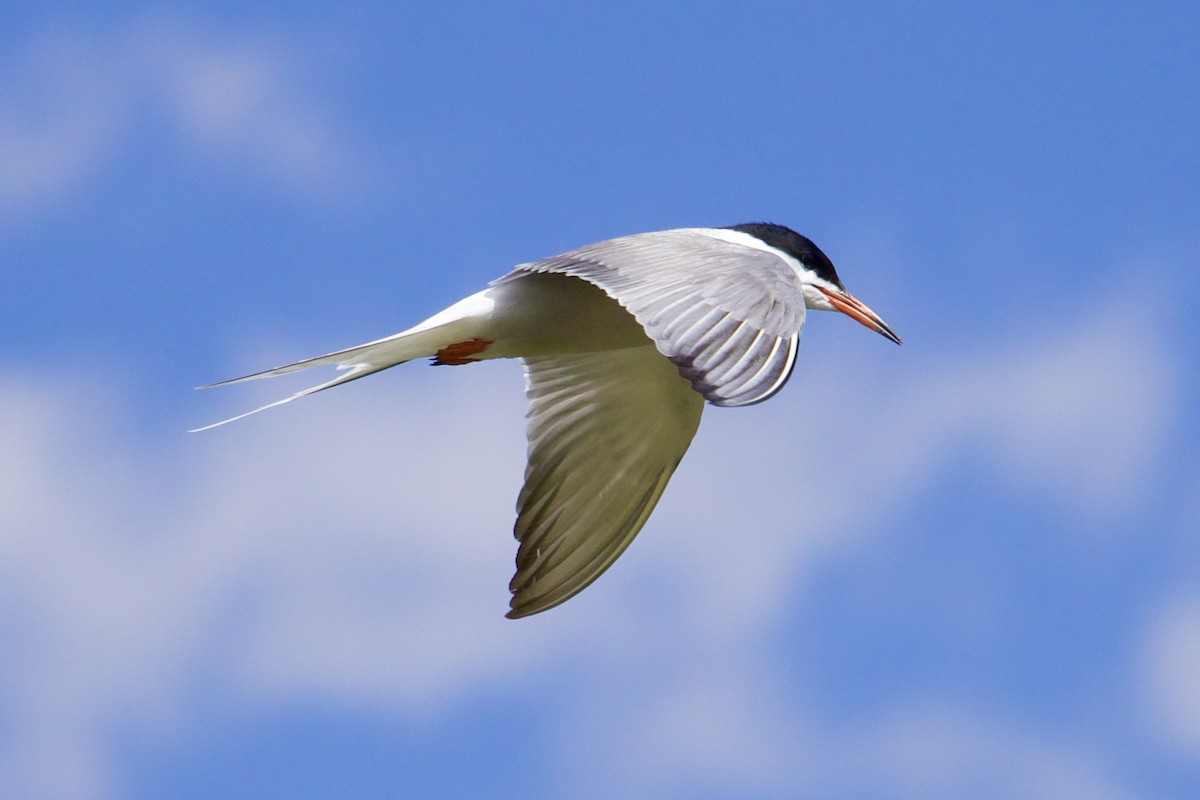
457,323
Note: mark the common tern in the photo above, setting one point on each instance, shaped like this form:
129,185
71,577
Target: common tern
622,341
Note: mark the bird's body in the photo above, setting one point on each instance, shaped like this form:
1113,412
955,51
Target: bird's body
623,341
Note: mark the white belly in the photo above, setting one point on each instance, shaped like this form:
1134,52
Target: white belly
547,314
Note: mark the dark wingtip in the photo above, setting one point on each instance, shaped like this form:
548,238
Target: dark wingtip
515,613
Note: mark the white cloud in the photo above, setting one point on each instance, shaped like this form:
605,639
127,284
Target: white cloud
58,120
1083,415
70,103
1171,664
354,547
946,751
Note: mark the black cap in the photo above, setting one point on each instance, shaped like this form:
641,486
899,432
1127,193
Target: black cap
798,247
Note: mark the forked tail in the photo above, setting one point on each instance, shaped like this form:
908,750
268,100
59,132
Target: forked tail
453,335
354,363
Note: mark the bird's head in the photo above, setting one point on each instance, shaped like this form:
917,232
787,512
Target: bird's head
819,280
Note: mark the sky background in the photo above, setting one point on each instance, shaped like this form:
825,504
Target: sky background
967,567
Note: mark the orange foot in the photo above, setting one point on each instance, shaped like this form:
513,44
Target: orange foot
460,353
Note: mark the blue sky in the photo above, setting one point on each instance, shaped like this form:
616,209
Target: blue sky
967,567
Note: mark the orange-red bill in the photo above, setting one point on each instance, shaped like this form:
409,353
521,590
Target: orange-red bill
854,308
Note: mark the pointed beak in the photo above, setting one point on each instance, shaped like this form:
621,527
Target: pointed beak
854,308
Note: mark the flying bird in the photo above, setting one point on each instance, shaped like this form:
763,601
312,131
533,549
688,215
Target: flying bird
622,342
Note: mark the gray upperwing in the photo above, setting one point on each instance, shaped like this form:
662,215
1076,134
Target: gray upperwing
728,314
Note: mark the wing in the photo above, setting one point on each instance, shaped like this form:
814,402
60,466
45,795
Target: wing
606,431
726,310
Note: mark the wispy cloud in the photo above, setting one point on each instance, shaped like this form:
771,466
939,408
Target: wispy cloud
1170,664
72,102
354,548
